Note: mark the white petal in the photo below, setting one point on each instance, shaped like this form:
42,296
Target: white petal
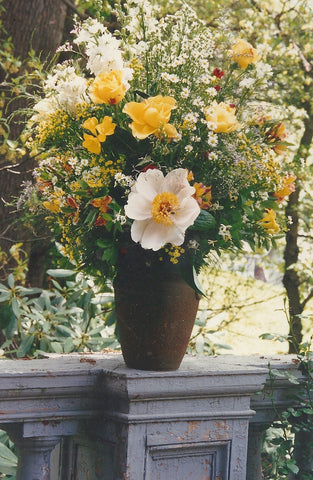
176,236
176,180
149,183
137,229
187,191
154,236
187,214
137,207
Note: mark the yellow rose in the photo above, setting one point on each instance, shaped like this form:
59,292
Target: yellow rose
151,116
243,53
268,221
223,117
108,88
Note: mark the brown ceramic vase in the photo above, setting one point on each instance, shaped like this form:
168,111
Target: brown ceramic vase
155,311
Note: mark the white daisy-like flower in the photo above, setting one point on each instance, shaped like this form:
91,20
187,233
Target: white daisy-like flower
188,148
212,156
185,92
212,139
162,208
211,125
211,91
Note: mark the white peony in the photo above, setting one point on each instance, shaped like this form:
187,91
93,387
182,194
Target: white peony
162,208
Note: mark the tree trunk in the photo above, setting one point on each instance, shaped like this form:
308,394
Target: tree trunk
36,24
291,278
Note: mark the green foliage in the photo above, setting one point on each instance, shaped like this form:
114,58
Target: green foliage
8,459
72,316
280,455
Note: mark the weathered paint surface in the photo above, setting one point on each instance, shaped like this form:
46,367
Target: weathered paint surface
191,424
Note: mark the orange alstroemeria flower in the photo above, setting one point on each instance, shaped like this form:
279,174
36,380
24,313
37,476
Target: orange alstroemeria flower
151,116
287,187
108,88
277,134
203,195
102,203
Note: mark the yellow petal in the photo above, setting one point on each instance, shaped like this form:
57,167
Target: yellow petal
90,125
92,144
106,127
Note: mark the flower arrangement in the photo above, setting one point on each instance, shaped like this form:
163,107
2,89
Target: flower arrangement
152,135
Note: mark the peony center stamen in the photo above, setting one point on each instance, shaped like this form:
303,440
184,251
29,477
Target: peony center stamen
164,206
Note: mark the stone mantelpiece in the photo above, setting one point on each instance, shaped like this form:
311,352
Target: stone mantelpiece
129,424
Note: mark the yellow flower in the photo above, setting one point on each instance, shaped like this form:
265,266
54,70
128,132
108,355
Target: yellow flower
54,204
203,195
287,187
268,221
108,88
102,203
277,134
223,117
243,53
100,132
151,116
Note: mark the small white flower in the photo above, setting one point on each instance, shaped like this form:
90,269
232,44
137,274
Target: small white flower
185,92
123,180
246,83
211,91
263,70
224,231
193,245
188,148
213,156
212,139
120,219
211,125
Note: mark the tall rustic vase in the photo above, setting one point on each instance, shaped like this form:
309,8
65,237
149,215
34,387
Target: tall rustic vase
155,311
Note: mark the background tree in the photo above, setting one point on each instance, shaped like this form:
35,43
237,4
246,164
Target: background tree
283,32
35,27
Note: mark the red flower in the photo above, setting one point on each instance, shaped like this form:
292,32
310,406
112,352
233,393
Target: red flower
72,202
100,221
218,73
232,105
217,88
148,167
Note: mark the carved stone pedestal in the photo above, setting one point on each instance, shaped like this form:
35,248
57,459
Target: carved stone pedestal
189,424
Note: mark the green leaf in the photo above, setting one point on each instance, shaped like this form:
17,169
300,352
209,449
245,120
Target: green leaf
68,345
204,222
16,307
64,330
25,346
111,318
291,465
56,347
11,280
8,460
6,314
60,272
189,274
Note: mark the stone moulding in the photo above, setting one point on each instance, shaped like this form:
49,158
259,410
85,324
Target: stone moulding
138,425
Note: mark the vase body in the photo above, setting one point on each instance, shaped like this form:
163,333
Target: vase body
155,312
